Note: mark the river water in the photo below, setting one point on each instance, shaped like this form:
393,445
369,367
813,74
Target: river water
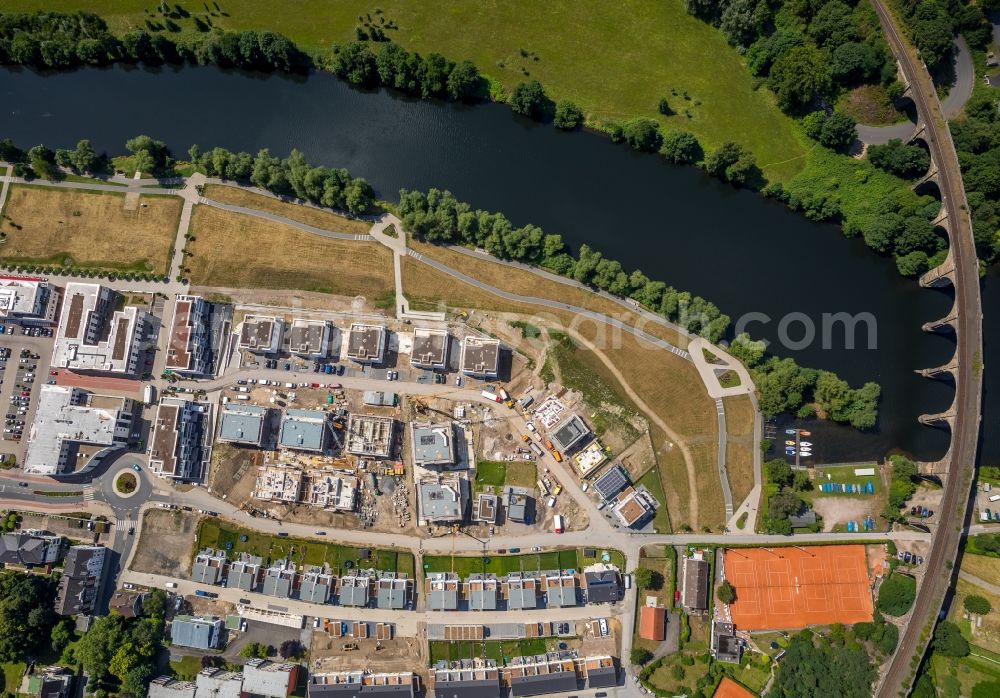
744,253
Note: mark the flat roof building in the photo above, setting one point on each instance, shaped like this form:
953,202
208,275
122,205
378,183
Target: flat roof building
725,645
392,591
694,584
481,592
517,502
433,444
303,430
244,572
279,579
551,673
167,687
521,591
379,398
317,585
242,424
65,421
569,433
353,589
486,508
370,435
331,490
80,584
208,566
189,347
219,683
278,483
442,591
261,334
202,633
309,338
269,679
28,299
178,446
441,499
633,507
590,458
366,344
94,336
611,482
480,356
560,590
466,678
358,684
430,348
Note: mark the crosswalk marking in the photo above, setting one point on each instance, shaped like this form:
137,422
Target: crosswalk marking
88,494
123,524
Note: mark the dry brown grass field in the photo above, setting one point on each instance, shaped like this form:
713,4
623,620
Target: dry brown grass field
739,446
327,220
236,250
79,228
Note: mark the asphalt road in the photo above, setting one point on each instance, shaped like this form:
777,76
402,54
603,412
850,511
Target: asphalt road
955,498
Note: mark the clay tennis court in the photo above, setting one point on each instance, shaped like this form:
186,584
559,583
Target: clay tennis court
789,588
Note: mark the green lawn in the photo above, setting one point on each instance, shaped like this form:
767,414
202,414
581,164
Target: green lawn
12,673
464,565
186,668
496,474
214,534
845,476
652,482
499,651
616,60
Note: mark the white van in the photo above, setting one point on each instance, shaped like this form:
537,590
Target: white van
171,585
628,581
242,397
995,498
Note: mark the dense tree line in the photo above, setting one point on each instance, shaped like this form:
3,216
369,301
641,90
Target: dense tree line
438,217
785,500
815,667
433,76
120,654
896,594
26,615
290,176
806,51
902,485
784,386
883,636
977,141
60,40
932,25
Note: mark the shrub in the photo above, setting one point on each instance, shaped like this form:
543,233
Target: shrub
529,99
896,594
978,605
568,116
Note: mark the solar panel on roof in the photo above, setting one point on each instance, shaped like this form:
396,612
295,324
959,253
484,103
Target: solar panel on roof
612,482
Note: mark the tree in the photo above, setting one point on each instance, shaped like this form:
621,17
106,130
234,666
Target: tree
948,640
150,155
838,132
900,159
63,633
84,157
896,594
290,649
783,505
833,25
254,650
464,82
725,592
529,99
977,605
681,147
812,667
26,617
642,134
854,62
568,116
643,577
779,472
639,656
800,76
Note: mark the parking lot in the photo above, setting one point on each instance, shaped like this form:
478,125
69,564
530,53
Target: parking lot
24,365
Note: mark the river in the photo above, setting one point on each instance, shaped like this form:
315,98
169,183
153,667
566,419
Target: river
744,253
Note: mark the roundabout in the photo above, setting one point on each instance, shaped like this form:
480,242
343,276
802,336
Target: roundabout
126,484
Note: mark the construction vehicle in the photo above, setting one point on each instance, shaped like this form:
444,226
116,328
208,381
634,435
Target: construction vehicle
349,647
548,445
557,456
525,438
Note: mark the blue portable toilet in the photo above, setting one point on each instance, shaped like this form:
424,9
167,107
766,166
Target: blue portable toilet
850,527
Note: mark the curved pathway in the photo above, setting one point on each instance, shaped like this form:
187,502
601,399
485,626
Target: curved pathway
692,474
952,105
